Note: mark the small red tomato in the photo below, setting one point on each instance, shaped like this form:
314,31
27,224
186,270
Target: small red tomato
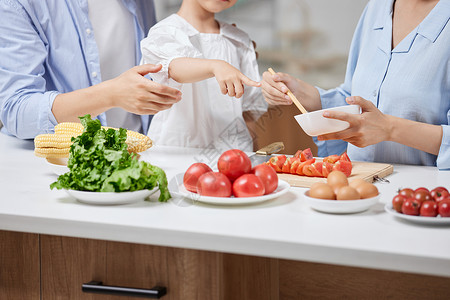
233,163
397,202
214,184
421,189
407,192
248,185
268,177
192,174
422,196
429,208
411,207
441,196
438,191
444,208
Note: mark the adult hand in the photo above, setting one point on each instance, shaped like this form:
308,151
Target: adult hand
368,128
230,79
275,87
137,94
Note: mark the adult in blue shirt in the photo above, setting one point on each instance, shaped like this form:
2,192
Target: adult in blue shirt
398,71
60,59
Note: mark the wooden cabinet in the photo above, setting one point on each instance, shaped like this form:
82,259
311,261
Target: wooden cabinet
19,266
53,267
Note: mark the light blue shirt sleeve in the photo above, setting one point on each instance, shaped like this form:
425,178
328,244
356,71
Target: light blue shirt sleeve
410,81
47,48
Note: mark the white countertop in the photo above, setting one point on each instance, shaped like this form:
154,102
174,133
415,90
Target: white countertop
283,228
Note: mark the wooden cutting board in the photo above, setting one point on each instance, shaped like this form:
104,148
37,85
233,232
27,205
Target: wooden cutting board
364,170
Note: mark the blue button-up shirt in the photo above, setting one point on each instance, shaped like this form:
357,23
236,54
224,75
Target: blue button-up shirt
46,48
412,81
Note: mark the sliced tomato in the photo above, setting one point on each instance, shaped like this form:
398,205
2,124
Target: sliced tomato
313,170
297,154
302,165
277,162
286,168
344,157
343,166
294,165
331,158
327,168
318,166
306,155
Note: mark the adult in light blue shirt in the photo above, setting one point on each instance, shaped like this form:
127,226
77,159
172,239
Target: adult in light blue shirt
50,69
399,73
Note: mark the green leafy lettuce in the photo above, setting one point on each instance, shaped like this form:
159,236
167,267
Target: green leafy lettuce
99,162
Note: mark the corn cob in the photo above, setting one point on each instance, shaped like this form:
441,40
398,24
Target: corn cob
58,145
51,152
59,141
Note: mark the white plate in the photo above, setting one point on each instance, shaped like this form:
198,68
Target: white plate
340,206
58,165
100,198
416,219
176,187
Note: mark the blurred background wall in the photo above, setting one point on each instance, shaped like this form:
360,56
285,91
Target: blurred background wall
309,39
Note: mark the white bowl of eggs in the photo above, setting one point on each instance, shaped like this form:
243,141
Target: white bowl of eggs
314,123
339,196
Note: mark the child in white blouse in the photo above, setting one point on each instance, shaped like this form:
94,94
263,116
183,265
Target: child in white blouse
193,47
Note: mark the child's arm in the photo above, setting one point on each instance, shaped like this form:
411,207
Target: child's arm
230,79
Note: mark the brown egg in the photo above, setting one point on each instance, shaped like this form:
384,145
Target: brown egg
347,193
337,179
367,190
356,182
321,190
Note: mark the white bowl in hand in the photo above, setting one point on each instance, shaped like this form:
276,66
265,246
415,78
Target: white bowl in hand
314,123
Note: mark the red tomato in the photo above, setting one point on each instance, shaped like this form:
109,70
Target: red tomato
234,163
248,185
444,208
267,176
421,189
438,191
443,195
343,166
294,166
422,196
327,168
287,165
331,158
214,184
192,174
407,192
306,155
397,202
344,156
429,208
411,207
303,164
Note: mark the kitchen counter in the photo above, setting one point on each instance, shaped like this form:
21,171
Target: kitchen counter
282,228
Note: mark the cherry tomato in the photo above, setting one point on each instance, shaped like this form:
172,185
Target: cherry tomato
422,195
407,192
214,184
248,185
444,208
268,177
421,189
192,174
397,202
443,195
438,192
411,207
429,208
234,163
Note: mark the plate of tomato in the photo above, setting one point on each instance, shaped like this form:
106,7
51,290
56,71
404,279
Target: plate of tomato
180,190
234,182
421,205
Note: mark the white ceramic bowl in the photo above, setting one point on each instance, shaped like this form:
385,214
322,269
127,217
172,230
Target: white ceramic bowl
314,123
340,206
58,165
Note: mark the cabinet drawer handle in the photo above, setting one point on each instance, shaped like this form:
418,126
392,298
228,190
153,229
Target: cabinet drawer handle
98,287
